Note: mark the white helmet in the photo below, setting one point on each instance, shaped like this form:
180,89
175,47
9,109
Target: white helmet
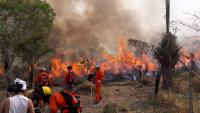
43,69
97,66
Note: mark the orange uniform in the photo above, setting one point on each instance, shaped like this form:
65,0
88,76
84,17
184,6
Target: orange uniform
98,82
57,101
43,79
70,79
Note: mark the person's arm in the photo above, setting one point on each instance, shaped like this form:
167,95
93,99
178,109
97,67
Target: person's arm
53,104
4,107
30,107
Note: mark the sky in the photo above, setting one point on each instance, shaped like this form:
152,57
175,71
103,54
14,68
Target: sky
178,10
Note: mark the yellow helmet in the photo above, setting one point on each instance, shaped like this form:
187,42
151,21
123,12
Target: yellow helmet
47,90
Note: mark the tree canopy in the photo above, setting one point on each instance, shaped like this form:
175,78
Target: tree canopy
25,26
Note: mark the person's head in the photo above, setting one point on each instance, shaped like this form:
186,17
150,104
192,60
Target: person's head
192,55
19,86
139,67
43,69
70,68
97,67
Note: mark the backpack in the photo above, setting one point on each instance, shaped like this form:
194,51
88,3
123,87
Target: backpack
71,77
70,107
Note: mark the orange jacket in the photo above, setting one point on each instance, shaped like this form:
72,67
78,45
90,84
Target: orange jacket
57,101
99,77
39,77
68,77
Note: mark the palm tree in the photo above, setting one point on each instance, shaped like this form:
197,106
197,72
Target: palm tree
168,53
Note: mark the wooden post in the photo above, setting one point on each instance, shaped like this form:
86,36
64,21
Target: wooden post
167,15
190,109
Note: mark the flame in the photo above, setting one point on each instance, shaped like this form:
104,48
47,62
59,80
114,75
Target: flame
125,60
57,67
122,62
186,56
1,70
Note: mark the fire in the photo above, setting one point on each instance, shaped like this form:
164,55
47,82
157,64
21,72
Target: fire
186,56
1,70
124,61
57,67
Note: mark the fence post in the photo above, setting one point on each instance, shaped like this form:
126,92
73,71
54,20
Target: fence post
190,109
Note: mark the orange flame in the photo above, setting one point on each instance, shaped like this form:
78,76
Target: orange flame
1,70
125,60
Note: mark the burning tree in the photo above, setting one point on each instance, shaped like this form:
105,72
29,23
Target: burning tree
168,53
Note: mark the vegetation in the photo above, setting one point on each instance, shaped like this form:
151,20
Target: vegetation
24,31
168,53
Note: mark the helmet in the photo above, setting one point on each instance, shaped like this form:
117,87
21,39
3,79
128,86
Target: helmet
43,69
97,66
69,67
47,90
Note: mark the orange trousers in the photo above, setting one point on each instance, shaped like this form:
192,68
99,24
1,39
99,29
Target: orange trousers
98,92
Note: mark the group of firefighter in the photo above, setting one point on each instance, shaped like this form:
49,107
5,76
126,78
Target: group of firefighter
65,101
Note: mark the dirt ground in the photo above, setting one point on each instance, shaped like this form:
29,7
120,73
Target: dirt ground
128,96
132,97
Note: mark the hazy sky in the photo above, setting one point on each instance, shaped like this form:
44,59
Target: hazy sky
178,8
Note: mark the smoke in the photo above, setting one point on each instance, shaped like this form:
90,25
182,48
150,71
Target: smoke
89,26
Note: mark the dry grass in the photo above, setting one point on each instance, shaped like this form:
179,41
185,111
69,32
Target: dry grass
85,88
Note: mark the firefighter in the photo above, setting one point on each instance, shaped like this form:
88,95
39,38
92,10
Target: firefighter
70,78
66,102
42,80
98,82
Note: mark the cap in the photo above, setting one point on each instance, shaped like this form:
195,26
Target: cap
22,82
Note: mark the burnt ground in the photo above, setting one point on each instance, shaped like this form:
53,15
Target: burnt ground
134,97
126,97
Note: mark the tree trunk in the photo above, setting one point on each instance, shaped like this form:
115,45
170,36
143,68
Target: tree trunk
167,80
167,15
31,76
7,67
157,82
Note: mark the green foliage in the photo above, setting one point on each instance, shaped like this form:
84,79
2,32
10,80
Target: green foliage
31,49
25,28
168,52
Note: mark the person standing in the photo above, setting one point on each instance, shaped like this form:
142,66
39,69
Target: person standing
17,103
98,83
70,78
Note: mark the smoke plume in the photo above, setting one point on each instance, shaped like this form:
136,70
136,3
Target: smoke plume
88,26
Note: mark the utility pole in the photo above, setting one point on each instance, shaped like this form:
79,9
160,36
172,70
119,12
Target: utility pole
167,15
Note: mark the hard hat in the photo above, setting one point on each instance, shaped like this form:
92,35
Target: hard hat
47,90
43,69
97,66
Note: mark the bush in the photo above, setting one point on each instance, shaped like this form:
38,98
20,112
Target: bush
111,108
